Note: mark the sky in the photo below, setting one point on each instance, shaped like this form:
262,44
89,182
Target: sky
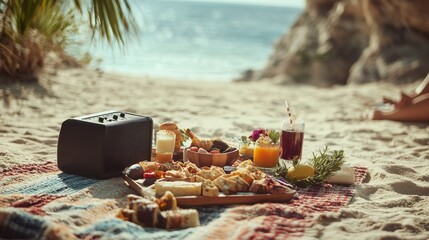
287,3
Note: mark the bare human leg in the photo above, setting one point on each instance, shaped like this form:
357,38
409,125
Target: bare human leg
416,111
407,99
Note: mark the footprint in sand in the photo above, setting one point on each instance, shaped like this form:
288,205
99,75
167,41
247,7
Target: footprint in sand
399,170
422,141
368,148
19,141
334,135
403,201
363,130
382,138
246,127
49,142
424,178
55,128
392,227
366,191
409,188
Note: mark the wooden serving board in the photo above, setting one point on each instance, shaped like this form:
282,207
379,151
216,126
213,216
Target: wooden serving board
239,198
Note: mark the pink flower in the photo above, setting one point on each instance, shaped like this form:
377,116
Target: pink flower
257,134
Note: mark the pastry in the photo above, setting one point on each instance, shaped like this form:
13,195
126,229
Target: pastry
191,167
162,212
242,186
226,185
253,171
145,213
268,185
125,214
167,202
131,198
181,218
176,175
208,187
243,173
211,173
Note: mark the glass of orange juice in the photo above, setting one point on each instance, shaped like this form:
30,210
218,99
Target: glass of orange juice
266,153
165,142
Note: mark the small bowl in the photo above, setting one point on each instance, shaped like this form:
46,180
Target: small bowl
208,159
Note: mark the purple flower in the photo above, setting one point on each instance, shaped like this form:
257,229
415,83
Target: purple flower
257,134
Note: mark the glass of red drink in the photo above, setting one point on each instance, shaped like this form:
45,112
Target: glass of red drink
291,140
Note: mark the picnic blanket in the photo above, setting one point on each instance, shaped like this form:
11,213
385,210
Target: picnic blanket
39,201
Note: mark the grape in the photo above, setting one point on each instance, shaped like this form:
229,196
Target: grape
135,171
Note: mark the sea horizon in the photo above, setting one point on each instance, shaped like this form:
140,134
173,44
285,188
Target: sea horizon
194,40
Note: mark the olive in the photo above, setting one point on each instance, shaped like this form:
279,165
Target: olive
135,171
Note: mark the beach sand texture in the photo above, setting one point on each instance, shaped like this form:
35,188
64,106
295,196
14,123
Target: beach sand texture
392,203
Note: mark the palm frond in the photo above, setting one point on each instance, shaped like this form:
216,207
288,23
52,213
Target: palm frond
29,29
111,19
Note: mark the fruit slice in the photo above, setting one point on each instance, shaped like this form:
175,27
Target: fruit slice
300,171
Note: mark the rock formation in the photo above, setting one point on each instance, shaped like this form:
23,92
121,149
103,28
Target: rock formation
353,41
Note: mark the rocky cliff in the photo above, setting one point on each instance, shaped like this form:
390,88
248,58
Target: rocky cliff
353,41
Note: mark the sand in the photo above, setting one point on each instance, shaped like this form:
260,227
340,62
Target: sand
391,204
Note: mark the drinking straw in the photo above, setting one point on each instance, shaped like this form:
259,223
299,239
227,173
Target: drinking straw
288,111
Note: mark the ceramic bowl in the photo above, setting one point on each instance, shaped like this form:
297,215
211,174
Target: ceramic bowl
208,159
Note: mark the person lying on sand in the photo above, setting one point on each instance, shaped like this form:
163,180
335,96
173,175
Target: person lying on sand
410,108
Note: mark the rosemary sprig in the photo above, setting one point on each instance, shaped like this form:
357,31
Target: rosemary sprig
325,164
184,136
281,169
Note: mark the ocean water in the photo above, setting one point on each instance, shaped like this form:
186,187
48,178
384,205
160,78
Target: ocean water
196,40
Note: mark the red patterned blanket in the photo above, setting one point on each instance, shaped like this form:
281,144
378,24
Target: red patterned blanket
51,198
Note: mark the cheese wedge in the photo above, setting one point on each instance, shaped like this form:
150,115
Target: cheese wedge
179,188
209,189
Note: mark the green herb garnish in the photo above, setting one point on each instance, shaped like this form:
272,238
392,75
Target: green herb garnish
274,136
184,136
325,164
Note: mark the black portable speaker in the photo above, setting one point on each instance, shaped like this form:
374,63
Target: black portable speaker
101,145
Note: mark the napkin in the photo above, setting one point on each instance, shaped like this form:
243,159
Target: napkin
345,175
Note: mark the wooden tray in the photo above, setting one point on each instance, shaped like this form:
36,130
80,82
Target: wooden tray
239,198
